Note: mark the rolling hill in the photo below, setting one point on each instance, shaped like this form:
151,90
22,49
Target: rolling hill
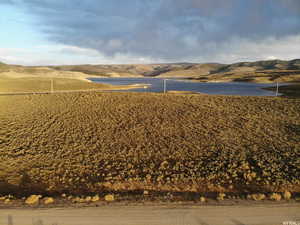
260,71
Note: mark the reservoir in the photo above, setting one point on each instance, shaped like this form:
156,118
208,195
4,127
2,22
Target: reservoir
157,85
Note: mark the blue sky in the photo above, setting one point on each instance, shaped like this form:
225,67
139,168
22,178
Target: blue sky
44,32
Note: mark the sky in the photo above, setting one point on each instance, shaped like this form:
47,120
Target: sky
56,32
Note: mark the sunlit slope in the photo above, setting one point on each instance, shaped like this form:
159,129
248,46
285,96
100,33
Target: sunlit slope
39,79
39,84
260,71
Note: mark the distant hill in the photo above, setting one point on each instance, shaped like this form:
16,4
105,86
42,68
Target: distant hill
2,64
260,71
3,67
262,65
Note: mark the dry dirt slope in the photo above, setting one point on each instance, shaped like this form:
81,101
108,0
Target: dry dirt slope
79,143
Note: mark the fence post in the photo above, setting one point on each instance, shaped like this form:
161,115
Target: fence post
52,86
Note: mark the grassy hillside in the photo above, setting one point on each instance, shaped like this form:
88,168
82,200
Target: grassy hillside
193,71
260,71
83,143
125,70
40,84
3,67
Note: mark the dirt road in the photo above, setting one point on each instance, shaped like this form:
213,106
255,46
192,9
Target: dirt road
159,215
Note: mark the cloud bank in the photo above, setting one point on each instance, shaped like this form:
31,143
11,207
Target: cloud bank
171,30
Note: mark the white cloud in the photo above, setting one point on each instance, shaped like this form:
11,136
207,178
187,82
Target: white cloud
65,55
237,50
271,57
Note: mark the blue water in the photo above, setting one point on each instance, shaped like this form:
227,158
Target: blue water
156,85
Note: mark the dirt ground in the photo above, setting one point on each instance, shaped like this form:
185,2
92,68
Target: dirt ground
110,142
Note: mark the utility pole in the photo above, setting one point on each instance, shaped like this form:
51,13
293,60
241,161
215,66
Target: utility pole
52,86
165,86
277,89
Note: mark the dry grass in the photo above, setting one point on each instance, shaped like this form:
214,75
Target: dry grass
36,84
43,84
82,143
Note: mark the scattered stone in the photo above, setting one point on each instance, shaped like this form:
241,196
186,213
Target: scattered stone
146,192
258,197
33,199
48,200
287,195
202,199
221,196
95,198
63,195
148,177
88,199
275,197
109,198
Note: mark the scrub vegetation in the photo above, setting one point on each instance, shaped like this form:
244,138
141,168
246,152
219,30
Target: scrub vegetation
79,143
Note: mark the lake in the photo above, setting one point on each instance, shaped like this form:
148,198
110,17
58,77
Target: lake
157,85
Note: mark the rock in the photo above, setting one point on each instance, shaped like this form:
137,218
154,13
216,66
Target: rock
95,198
275,197
146,192
287,195
202,199
48,200
258,197
88,199
109,198
33,199
221,197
